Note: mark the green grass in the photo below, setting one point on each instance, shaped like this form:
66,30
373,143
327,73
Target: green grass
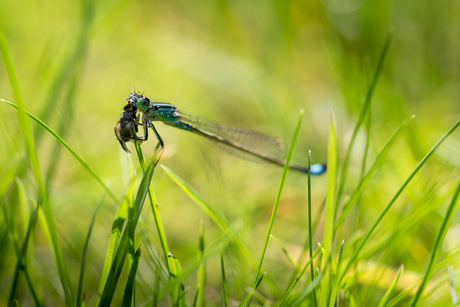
82,223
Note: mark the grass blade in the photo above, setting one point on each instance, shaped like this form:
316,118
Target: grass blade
277,201
285,252
364,110
128,296
437,245
390,290
73,67
21,254
201,282
312,286
175,270
224,279
209,252
291,287
72,64
60,140
395,197
331,203
122,250
153,201
85,250
310,231
36,170
367,178
213,214
114,240
14,235
453,292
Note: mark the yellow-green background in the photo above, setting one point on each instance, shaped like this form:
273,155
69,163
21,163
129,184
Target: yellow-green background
251,64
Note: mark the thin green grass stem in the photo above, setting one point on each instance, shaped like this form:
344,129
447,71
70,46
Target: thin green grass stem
154,204
364,110
300,274
331,197
393,200
85,251
123,247
310,231
36,170
437,246
128,296
453,291
288,256
74,65
21,265
355,196
213,214
224,279
390,290
408,291
85,165
212,250
277,201
201,280
114,241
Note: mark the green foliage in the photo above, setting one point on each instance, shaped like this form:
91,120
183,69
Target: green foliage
379,84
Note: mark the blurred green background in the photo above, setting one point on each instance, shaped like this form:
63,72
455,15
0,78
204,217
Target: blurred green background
250,64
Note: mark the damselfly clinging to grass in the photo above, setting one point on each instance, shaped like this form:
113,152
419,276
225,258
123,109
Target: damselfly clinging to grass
249,144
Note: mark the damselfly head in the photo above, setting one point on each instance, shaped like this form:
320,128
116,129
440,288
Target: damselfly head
138,101
133,98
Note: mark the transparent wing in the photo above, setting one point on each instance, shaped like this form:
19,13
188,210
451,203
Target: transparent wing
246,138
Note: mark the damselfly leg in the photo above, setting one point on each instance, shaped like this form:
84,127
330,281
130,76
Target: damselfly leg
160,145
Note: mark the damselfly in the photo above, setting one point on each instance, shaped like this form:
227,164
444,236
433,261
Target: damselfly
246,143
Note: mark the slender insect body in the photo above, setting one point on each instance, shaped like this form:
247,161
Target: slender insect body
229,137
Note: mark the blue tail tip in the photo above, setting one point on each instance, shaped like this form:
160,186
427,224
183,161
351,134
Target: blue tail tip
318,169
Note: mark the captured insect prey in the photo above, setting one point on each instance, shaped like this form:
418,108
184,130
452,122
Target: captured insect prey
248,144
127,128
